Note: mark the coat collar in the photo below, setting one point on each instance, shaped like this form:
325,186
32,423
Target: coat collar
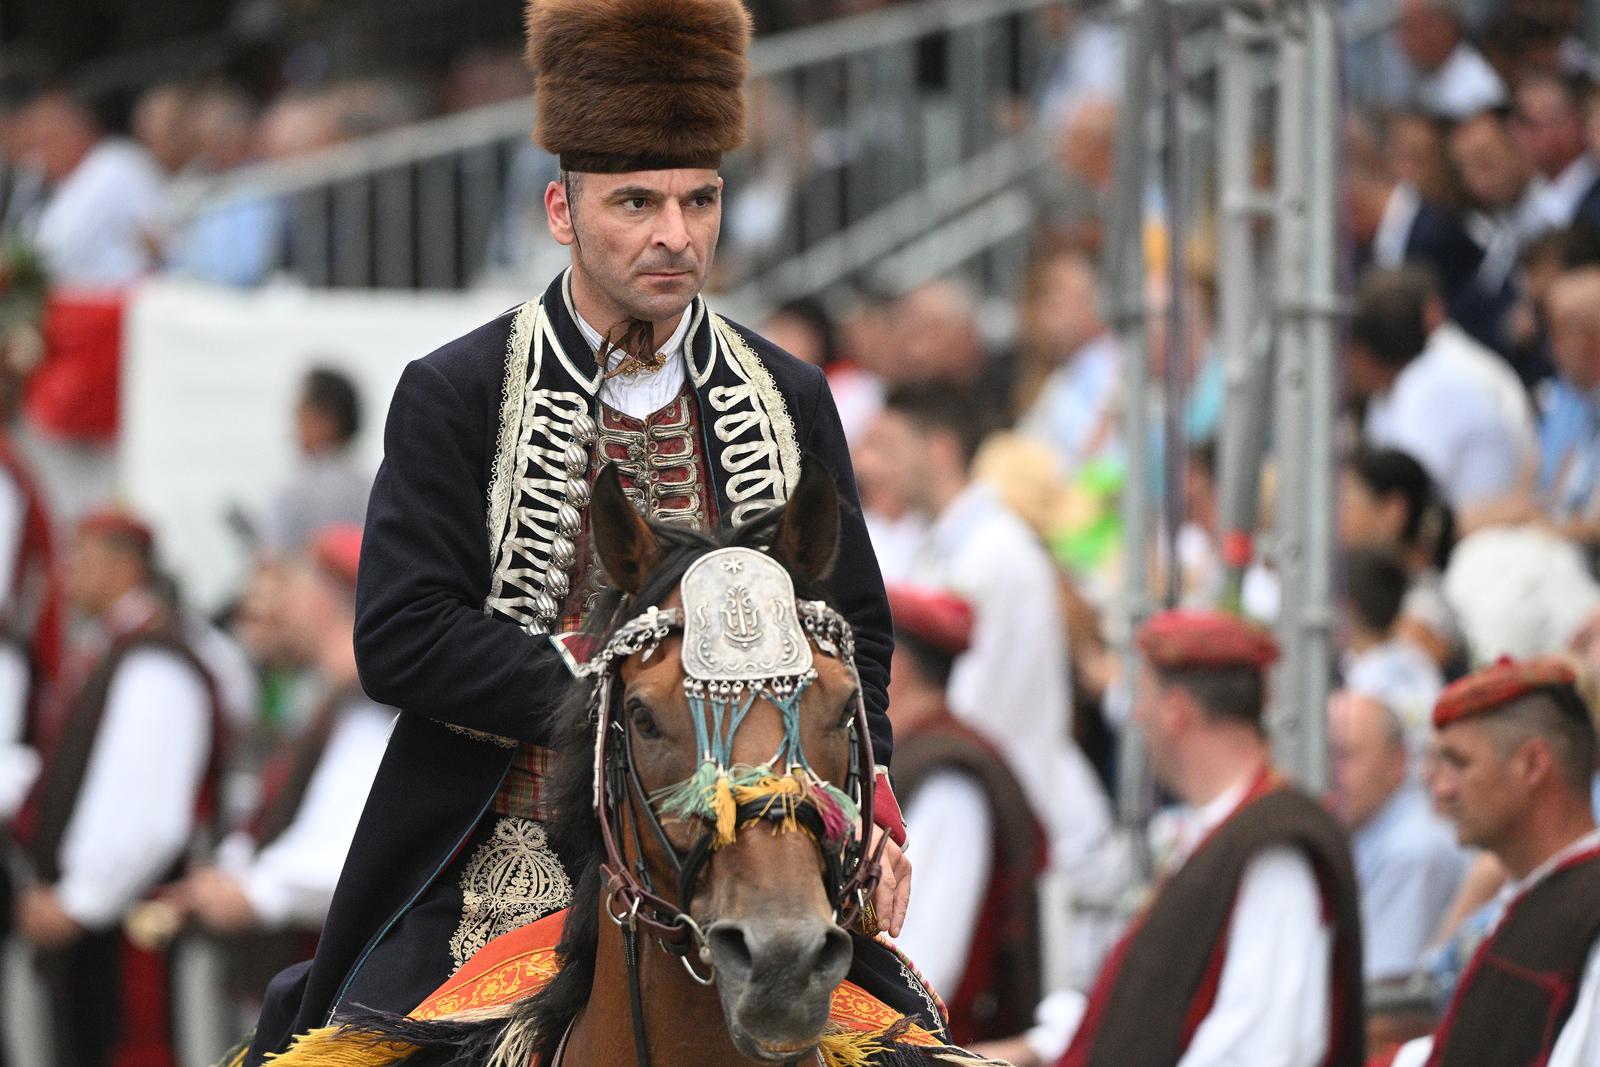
572,349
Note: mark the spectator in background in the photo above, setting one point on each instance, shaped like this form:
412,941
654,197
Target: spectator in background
938,340
1520,590
101,224
126,770
1454,81
1074,194
276,874
1397,221
1380,661
1569,430
236,242
1012,685
162,124
973,927
1387,502
332,483
1407,862
1498,183
1067,358
1434,392
1548,119
805,329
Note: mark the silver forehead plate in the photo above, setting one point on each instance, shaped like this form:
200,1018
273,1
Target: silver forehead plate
739,619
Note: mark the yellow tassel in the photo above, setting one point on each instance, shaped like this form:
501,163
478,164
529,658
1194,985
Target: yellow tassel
331,1047
726,812
789,791
850,1048
237,1059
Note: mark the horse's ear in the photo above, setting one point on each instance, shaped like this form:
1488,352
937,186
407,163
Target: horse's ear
808,533
627,546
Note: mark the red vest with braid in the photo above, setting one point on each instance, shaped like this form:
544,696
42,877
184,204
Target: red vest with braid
1161,980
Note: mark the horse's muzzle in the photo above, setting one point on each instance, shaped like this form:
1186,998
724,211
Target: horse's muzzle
776,979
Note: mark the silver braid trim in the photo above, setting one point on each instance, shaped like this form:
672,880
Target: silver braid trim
760,452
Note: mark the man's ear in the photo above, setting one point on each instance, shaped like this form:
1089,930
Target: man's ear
808,533
1536,761
627,547
558,213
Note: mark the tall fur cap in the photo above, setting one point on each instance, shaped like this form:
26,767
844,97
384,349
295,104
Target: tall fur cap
626,85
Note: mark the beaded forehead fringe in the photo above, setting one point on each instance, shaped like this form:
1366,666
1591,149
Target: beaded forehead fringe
771,791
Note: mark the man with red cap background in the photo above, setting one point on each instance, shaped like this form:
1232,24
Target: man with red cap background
129,758
477,545
269,889
1250,949
1516,752
973,926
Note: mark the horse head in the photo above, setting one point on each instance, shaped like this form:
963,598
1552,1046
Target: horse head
732,763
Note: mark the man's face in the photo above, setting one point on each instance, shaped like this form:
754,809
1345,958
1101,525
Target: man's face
1369,764
1065,311
1367,520
642,243
1157,713
95,570
1575,342
310,599
1492,171
1426,35
1546,127
889,461
1475,786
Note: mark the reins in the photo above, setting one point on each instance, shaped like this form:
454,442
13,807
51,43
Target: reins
722,796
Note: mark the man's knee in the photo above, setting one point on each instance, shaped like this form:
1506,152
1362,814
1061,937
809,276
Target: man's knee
278,1010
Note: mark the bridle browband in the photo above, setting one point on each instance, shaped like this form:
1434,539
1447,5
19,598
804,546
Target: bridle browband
733,655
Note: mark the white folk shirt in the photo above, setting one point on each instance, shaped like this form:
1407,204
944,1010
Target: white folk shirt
1579,1043
643,393
1274,997
1557,200
1458,408
19,764
950,821
135,809
1012,685
291,881
98,228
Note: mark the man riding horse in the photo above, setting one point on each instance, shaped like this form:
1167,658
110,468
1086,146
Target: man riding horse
478,569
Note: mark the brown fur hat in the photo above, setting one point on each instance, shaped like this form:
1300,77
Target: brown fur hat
624,85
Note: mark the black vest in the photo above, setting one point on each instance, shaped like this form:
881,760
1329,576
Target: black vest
1522,984
1153,992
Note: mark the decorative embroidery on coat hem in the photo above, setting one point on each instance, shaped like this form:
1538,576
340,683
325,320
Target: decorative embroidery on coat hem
512,880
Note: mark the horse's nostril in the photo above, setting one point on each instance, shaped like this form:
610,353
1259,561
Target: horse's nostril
730,952
837,950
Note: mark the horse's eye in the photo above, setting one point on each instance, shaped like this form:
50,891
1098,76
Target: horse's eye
847,718
642,720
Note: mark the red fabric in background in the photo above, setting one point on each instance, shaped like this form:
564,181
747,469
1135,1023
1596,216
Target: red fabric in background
74,393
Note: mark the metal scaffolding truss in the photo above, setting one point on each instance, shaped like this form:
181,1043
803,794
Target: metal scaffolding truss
1275,96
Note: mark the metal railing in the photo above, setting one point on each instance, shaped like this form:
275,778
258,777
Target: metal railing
863,127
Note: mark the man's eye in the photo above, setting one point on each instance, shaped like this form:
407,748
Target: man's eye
704,201
635,203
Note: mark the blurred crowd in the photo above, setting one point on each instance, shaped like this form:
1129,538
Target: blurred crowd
987,437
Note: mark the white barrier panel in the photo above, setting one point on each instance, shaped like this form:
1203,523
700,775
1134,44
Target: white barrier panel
210,381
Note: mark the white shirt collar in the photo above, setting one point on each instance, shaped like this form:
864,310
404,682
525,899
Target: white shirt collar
673,349
1394,227
1198,822
1588,841
1563,193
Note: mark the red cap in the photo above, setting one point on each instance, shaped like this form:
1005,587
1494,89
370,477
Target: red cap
932,616
118,523
1174,640
1500,683
337,550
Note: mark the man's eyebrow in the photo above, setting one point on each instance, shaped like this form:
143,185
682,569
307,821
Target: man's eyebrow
705,190
635,192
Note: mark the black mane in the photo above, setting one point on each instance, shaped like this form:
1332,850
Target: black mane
575,832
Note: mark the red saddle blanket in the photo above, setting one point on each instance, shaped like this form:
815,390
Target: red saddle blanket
519,963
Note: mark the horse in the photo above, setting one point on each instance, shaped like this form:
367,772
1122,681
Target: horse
713,778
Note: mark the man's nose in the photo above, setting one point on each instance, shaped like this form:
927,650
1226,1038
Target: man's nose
672,233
